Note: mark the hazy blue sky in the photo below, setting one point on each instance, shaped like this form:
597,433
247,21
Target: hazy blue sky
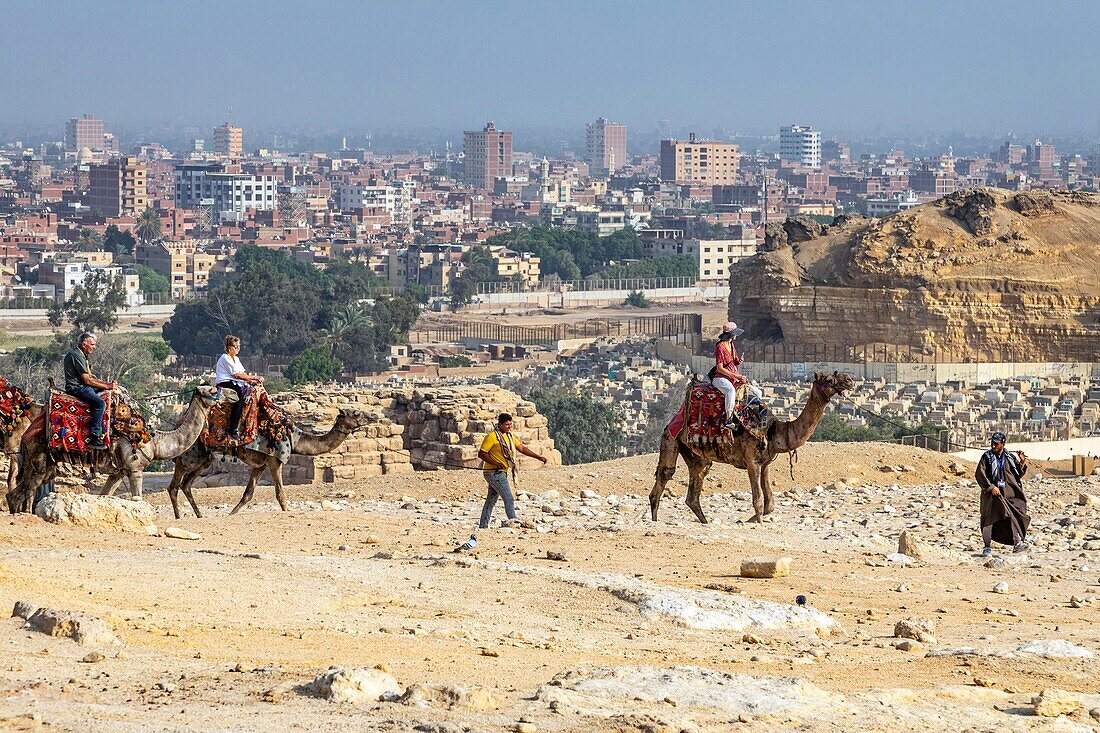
985,66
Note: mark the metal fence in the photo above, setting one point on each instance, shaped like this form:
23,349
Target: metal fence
667,326
1068,350
590,285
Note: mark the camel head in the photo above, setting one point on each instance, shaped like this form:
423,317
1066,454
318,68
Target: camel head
833,384
348,420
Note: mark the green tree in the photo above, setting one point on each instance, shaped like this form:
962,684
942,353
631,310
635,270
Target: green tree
479,266
637,299
584,430
313,365
345,320
89,240
93,305
151,281
117,242
147,227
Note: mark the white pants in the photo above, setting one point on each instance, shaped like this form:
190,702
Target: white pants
727,389
755,390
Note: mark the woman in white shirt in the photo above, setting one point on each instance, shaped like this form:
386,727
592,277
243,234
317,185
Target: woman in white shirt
230,374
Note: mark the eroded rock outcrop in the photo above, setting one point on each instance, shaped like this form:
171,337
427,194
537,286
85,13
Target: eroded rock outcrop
983,273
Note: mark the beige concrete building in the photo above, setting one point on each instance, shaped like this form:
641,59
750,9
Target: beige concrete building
229,141
186,266
510,264
605,147
119,187
708,162
712,256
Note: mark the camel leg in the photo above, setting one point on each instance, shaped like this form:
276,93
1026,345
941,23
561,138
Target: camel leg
666,468
698,468
112,484
276,469
135,478
178,472
13,466
191,497
250,489
187,478
757,495
766,487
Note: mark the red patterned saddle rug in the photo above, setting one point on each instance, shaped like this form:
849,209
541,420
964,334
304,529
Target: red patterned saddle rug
14,406
261,417
704,417
69,419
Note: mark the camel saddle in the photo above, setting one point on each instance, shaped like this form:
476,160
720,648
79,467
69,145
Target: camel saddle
264,425
703,416
68,422
14,406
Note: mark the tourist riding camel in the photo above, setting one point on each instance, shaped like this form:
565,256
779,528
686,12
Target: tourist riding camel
80,383
230,374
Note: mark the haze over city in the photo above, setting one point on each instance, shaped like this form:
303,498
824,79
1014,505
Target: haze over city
855,67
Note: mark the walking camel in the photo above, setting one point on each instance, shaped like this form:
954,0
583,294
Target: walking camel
11,442
199,457
123,460
745,451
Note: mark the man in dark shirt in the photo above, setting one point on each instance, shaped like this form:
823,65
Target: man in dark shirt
80,383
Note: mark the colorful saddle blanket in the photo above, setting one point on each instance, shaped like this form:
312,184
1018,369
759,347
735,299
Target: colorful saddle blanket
69,421
704,415
15,404
261,418
129,423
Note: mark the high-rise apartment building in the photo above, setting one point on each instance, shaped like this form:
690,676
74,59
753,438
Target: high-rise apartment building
488,155
227,196
228,141
710,162
605,148
84,132
119,187
801,145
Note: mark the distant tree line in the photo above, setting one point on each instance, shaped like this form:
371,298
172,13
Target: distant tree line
281,307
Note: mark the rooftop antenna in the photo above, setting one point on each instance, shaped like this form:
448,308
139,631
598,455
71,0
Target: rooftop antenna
228,114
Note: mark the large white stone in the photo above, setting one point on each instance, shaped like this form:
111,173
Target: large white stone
339,684
98,512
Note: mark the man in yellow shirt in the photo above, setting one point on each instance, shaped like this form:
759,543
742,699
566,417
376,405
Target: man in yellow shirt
498,454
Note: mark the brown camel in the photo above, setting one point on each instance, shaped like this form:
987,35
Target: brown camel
199,457
11,442
745,451
123,460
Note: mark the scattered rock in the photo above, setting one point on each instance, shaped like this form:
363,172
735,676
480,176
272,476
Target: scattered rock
278,693
525,728
449,696
1084,499
93,658
98,512
23,610
909,645
1052,703
339,684
1001,588
181,534
779,567
923,630
557,556
913,546
1055,649
81,628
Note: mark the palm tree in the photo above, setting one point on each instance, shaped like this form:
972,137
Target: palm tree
147,227
343,322
89,240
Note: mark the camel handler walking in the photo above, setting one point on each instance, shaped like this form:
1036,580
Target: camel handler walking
498,456
1004,515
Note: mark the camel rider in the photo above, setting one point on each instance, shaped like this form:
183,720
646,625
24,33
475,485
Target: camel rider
80,383
229,373
725,375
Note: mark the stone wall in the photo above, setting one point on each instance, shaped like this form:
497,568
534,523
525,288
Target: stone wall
421,428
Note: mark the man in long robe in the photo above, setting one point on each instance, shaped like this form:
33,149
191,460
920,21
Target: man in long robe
1004,517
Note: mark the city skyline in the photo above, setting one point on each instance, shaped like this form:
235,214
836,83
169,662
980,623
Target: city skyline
856,66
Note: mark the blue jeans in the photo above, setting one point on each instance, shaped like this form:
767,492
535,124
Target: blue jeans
498,486
90,396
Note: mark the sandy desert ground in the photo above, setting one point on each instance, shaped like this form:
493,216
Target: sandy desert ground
639,626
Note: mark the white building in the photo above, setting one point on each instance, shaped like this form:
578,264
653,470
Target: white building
884,206
800,145
228,195
65,275
396,200
712,256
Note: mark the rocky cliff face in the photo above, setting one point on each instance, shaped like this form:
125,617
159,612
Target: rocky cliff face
981,274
